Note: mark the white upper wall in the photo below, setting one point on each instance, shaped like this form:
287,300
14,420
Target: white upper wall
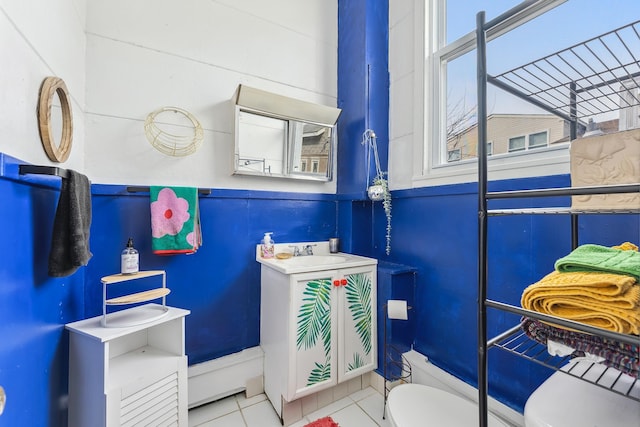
192,54
40,39
123,59
406,90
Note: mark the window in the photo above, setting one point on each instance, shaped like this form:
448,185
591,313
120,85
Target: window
489,148
517,144
457,105
537,140
528,142
450,98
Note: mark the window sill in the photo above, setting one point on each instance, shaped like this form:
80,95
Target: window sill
523,164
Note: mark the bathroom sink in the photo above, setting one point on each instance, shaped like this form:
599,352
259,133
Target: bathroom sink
317,260
321,259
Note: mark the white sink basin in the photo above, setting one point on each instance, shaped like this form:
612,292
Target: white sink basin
321,260
316,260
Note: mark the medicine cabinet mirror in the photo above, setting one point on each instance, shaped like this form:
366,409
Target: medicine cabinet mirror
277,136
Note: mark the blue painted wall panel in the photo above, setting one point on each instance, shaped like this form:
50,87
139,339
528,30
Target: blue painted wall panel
33,310
436,231
363,90
352,96
220,283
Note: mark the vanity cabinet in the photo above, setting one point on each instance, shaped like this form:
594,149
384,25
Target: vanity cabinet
318,329
122,376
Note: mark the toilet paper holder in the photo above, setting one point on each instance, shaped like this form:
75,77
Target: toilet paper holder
395,366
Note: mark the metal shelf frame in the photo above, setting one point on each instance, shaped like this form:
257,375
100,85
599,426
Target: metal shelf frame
597,76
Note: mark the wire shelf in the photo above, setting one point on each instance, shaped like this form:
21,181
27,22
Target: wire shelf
520,344
597,76
559,211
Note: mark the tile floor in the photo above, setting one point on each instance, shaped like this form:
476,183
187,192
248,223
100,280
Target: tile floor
360,409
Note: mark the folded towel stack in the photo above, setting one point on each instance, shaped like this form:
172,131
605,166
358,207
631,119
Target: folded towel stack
604,300
594,285
175,220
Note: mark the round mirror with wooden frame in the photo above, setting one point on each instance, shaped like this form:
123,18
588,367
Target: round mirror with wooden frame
51,88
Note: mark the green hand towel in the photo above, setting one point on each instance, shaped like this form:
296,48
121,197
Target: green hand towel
601,258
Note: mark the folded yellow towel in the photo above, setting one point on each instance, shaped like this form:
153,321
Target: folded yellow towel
626,246
605,300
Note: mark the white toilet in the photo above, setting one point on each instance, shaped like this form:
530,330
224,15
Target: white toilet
565,401
416,405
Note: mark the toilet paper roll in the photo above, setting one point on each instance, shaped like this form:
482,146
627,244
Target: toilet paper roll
397,309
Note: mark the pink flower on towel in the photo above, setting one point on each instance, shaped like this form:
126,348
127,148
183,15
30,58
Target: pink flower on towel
168,213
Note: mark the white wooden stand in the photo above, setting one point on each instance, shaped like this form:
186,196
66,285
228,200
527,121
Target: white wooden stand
124,376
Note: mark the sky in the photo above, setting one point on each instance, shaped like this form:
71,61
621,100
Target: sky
566,25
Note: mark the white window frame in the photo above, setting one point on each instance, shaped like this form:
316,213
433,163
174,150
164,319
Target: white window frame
430,166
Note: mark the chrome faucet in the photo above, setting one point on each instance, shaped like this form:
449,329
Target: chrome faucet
306,250
296,250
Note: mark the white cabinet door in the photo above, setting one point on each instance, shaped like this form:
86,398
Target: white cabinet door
356,322
313,324
333,324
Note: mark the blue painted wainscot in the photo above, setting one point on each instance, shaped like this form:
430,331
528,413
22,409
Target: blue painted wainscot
434,232
220,283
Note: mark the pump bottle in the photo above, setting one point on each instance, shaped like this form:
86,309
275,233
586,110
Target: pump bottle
129,259
266,246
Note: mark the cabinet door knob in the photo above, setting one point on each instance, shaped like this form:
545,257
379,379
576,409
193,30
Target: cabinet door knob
336,282
343,282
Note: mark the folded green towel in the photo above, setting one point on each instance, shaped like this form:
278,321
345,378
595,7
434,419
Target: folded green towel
601,258
175,220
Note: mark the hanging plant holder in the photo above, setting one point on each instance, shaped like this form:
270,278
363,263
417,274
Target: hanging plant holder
379,190
376,192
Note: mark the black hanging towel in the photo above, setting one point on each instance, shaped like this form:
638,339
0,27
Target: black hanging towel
70,240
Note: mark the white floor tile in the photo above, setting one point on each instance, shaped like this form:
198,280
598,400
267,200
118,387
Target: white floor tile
354,416
360,409
330,409
233,419
261,415
361,394
303,422
243,402
373,405
212,411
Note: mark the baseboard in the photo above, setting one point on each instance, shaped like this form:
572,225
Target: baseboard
224,376
427,373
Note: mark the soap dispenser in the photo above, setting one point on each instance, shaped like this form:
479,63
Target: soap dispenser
266,246
129,259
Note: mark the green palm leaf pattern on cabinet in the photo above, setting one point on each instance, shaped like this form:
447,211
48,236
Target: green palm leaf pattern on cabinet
314,317
358,362
314,322
320,373
358,293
